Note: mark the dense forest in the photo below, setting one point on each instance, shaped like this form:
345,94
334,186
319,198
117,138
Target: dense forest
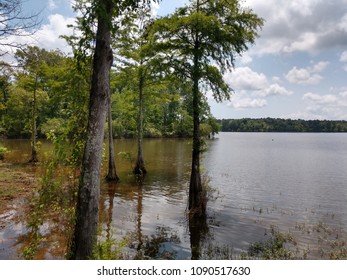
61,97
281,125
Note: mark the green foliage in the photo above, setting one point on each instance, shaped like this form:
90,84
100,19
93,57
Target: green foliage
167,109
53,127
3,151
18,118
109,248
60,90
274,248
281,125
83,45
209,128
201,41
56,198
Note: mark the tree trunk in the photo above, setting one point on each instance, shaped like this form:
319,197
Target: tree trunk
197,199
34,157
197,203
87,210
140,169
112,171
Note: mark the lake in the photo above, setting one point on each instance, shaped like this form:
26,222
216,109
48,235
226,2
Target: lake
292,182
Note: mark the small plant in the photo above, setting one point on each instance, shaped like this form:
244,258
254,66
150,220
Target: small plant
54,204
214,251
109,248
3,151
274,248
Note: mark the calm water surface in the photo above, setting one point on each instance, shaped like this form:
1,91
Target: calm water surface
291,181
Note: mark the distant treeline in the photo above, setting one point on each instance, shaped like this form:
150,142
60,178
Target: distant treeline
281,125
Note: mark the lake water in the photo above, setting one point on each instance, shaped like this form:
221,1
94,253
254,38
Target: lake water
295,182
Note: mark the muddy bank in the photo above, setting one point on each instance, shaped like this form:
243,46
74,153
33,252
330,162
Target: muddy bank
16,187
16,190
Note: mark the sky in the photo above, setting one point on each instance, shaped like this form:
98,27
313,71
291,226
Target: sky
297,68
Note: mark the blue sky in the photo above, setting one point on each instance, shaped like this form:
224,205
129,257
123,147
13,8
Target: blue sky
296,69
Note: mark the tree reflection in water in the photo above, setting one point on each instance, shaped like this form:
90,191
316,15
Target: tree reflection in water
198,230
111,191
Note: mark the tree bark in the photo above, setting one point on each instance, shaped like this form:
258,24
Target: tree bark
140,169
112,171
87,210
34,157
196,197
197,200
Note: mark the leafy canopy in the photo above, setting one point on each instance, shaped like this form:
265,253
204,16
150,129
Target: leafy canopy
202,40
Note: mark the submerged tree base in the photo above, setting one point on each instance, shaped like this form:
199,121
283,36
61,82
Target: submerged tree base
199,211
112,178
198,198
140,170
33,160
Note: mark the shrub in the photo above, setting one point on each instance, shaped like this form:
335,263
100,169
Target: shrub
3,151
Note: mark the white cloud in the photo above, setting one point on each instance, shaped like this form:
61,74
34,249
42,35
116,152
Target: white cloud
52,5
48,35
327,106
276,79
243,78
303,116
307,75
246,59
275,89
324,113
343,23
251,88
320,66
308,26
302,76
303,42
343,57
320,99
244,103
155,7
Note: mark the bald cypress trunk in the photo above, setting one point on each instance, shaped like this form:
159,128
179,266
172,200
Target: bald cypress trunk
197,199
112,171
34,157
140,169
87,210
